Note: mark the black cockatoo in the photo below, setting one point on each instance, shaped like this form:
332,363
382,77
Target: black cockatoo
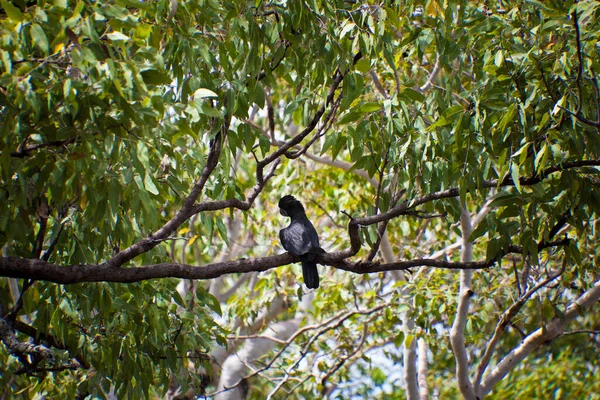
300,239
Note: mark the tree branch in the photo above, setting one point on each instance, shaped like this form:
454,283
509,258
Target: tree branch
422,369
26,151
321,328
20,349
24,268
504,321
539,338
581,118
186,211
409,357
337,80
457,338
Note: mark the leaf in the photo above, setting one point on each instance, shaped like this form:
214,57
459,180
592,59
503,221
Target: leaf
408,339
155,77
515,175
39,38
118,37
573,252
363,65
411,94
480,230
369,107
350,117
499,58
542,158
329,140
560,103
204,93
192,240
207,110
347,28
338,146
222,229
149,185
447,117
13,12
507,117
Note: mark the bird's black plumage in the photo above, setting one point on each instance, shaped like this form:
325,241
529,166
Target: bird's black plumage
300,239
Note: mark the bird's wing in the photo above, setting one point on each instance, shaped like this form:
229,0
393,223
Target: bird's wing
312,236
295,239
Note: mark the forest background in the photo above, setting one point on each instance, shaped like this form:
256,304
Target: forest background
446,151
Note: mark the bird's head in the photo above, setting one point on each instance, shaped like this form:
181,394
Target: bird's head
288,205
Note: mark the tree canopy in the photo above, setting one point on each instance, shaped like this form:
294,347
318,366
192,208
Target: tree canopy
447,153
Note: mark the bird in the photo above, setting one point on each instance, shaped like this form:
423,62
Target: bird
300,239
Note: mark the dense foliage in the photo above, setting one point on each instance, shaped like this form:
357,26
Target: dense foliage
447,153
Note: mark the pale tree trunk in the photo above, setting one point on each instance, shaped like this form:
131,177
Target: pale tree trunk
410,358
237,366
240,364
457,338
422,369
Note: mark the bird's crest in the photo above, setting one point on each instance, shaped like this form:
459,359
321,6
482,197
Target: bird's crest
289,202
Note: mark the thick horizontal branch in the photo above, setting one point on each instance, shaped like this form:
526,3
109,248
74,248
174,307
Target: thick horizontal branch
23,268
365,267
26,268
44,271
111,271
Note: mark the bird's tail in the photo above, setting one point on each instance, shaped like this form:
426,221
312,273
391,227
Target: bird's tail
310,273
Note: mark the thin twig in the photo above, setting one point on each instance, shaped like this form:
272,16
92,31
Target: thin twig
340,318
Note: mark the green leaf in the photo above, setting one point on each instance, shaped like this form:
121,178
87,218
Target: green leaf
499,58
155,77
149,185
39,37
207,110
351,116
363,65
542,159
369,107
411,94
408,339
480,230
515,175
118,37
560,103
347,28
204,93
508,117
13,12
222,230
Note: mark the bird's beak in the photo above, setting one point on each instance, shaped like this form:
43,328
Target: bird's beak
282,212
